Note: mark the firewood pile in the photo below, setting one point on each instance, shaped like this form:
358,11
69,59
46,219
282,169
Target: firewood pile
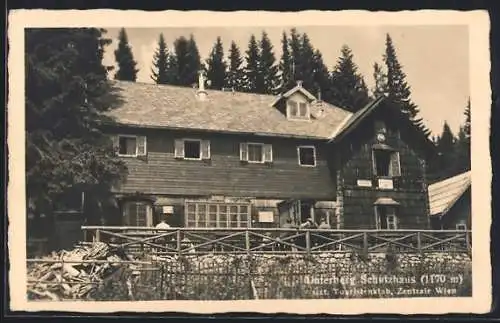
75,274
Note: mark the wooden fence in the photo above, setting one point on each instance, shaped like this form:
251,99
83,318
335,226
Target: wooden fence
255,241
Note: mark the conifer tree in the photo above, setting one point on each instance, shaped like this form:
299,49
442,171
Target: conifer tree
127,70
463,144
66,152
321,77
304,71
161,71
252,66
216,67
444,165
348,87
235,73
467,120
285,65
398,90
268,70
380,78
187,61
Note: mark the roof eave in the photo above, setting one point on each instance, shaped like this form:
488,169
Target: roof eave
250,133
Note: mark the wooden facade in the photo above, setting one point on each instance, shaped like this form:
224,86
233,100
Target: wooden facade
359,186
250,178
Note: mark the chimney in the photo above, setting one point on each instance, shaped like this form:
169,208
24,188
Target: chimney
202,94
319,95
299,83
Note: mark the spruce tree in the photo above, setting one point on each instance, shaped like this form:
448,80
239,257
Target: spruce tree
268,70
348,87
380,78
398,90
161,71
127,70
252,66
67,92
446,163
304,71
235,73
463,144
187,61
321,77
285,65
467,120
216,67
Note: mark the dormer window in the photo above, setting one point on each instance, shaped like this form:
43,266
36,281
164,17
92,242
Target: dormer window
297,110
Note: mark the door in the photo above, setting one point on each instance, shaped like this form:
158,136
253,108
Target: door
290,209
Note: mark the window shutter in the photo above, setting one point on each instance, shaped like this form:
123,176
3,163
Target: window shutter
141,145
374,163
268,153
116,142
395,165
243,151
205,149
179,148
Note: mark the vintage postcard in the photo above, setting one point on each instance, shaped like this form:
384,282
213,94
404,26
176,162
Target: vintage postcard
208,162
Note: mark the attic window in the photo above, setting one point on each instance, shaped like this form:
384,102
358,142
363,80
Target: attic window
297,110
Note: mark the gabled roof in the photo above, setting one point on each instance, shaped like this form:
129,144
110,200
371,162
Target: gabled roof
166,106
355,119
444,194
297,88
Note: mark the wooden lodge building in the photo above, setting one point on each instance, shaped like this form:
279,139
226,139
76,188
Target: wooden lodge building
450,203
206,158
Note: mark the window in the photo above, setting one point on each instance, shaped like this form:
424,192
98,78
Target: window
129,145
217,215
386,163
302,110
461,226
256,153
307,155
380,127
297,110
193,149
137,214
385,218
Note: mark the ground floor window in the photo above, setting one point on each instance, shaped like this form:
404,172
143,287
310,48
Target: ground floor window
217,215
461,226
137,214
386,218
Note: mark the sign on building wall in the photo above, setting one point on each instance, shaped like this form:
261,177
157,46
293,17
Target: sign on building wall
266,216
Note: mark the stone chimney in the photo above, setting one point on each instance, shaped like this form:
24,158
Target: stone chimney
201,93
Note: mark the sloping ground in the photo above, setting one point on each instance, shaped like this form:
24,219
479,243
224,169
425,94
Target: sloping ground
230,277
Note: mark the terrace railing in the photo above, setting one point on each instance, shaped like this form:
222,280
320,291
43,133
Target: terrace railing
182,241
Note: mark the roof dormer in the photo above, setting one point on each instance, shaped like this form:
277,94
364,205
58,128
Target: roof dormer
297,102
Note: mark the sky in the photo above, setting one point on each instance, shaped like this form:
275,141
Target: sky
435,59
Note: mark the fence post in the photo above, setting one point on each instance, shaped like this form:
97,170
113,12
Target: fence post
97,235
419,242
468,246
308,242
365,243
178,242
247,241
